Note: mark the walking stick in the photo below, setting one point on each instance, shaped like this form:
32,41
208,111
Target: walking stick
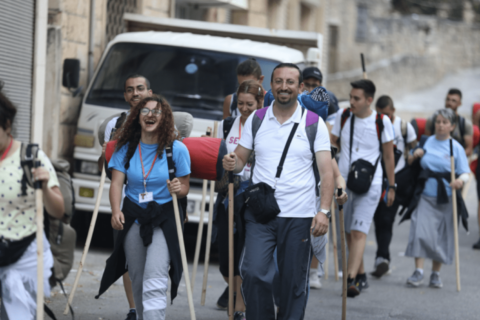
230,245
182,252
334,236
200,227
209,230
363,66
325,266
89,239
39,236
344,258
455,221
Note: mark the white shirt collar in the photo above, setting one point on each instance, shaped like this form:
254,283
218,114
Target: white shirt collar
296,117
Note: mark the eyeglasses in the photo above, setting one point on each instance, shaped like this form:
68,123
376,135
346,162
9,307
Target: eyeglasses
146,111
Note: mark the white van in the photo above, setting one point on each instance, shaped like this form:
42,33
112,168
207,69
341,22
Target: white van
193,72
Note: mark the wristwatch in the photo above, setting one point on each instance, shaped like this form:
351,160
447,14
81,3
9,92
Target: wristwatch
327,213
393,187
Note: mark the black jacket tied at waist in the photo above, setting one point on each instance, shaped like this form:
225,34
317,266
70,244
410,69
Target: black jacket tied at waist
442,196
153,216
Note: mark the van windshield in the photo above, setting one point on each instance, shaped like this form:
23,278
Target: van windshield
192,80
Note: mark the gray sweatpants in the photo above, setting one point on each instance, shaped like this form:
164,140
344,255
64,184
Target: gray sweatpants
148,270
291,237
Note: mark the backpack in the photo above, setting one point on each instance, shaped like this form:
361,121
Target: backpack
311,126
61,236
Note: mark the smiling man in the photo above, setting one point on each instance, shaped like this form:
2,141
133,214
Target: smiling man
136,88
289,231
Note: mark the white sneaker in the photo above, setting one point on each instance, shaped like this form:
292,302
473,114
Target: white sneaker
314,280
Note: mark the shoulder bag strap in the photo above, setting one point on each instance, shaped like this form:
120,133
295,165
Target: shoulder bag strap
285,150
352,121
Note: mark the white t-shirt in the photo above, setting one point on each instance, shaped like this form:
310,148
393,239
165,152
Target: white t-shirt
399,142
365,142
232,141
108,129
295,190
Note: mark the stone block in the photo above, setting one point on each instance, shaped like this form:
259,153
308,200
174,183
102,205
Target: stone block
75,28
156,5
77,7
257,19
240,17
258,6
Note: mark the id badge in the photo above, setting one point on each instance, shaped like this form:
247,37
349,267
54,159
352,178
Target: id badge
145,197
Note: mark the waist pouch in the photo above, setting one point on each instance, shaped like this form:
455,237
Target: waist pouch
11,251
260,200
360,176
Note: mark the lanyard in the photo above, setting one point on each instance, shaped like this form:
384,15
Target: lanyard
240,129
143,169
4,155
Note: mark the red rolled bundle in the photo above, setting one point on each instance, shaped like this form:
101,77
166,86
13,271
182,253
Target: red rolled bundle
476,135
419,126
206,155
475,109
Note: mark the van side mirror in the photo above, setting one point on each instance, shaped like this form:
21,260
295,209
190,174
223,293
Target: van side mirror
71,75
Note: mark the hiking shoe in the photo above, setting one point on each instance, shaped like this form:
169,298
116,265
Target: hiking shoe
477,245
132,315
361,281
314,280
415,279
435,281
239,316
222,302
352,288
381,267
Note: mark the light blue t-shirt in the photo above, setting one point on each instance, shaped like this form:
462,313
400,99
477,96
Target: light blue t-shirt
437,158
157,179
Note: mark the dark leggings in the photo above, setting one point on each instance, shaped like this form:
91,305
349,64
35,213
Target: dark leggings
384,218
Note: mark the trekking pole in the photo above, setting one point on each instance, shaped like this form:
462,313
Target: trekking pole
230,245
455,221
344,258
334,236
209,230
39,236
87,243
363,66
182,252
200,226
325,266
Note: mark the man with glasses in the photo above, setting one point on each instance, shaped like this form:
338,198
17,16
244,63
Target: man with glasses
136,88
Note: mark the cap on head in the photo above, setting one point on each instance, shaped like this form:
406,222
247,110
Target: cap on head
312,72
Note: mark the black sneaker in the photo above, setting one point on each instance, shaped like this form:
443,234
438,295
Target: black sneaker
132,315
352,288
361,281
222,302
381,267
477,245
239,316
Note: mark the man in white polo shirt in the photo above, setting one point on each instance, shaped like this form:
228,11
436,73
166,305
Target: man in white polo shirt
290,230
362,144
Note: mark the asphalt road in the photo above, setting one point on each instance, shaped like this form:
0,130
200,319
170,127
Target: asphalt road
388,298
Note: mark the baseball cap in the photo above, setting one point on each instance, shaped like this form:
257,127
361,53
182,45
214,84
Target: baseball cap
312,72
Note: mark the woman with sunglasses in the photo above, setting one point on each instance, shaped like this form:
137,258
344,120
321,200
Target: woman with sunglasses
147,243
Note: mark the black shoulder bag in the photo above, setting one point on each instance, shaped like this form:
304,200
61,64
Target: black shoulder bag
260,197
361,171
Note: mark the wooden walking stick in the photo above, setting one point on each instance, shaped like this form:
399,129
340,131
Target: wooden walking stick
89,240
230,246
344,258
179,222
39,236
363,66
325,266
334,237
200,226
455,221
209,230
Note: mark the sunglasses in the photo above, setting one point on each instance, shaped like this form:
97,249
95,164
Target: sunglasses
146,111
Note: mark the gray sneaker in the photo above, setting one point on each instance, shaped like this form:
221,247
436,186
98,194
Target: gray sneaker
435,281
416,279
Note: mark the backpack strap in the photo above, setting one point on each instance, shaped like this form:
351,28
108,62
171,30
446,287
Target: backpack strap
233,104
311,127
404,130
461,127
28,153
256,123
380,126
345,115
227,126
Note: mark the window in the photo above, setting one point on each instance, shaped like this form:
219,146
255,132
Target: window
362,23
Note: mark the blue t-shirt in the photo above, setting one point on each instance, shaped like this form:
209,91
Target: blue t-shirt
437,158
157,179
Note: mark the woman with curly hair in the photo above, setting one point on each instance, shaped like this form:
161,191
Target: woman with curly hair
148,243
